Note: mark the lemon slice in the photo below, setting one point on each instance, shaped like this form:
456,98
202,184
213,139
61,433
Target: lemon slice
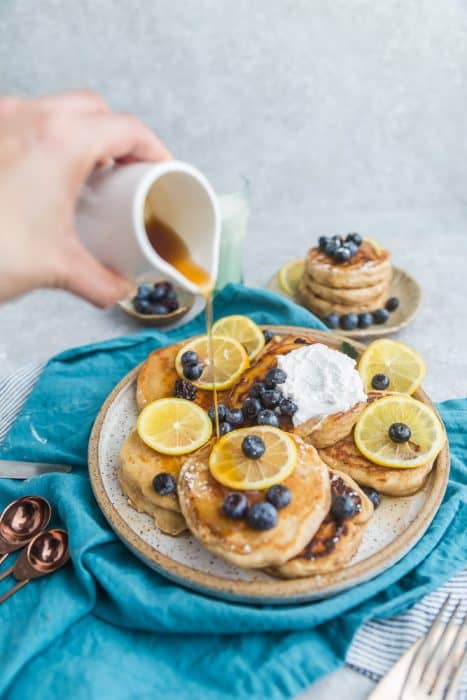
403,366
290,275
174,426
372,432
244,330
230,360
232,468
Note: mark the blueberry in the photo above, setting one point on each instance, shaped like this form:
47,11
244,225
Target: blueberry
392,304
142,306
143,292
343,506
221,409
235,505
331,247
365,320
172,304
279,496
267,417
399,432
157,293
268,336
353,247
192,372
164,286
323,241
380,382
349,321
274,376
158,309
271,398
342,255
355,238
262,516
234,416
251,407
253,447
380,316
373,495
331,320
164,483
189,358
338,239
288,407
224,428
256,390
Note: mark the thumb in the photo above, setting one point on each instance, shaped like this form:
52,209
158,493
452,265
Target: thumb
87,278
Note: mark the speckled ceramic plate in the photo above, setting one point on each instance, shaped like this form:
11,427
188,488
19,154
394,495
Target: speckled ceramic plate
402,286
395,528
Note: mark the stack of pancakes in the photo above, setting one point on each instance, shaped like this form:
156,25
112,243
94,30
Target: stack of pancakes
309,539
358,285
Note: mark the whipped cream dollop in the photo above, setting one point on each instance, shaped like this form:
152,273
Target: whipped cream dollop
321,381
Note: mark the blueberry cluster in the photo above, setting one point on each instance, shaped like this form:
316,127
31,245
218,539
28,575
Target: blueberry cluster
263,406
192,367
159,299
184,389
348,322
340,249
261,515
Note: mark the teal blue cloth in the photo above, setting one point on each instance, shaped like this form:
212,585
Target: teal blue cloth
108,627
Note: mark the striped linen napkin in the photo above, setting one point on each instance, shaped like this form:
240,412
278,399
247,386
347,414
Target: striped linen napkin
377,645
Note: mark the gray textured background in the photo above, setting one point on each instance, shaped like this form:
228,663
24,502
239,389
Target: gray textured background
344,115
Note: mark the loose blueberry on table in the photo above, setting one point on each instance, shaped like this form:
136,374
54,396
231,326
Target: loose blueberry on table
349,322
392,304
164,483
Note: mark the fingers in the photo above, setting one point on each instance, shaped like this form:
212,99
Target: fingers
76,101
119,137
87,278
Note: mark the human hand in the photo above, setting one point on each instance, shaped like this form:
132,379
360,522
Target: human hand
48,147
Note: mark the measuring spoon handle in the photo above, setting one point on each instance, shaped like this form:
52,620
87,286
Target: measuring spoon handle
19,585
7,572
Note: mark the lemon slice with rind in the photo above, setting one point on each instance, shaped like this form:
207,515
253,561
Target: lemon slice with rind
404,366
174,426
230,361
372,432
244,330
290,275
229,465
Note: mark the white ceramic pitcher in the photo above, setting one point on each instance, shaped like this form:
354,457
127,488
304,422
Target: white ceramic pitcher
110,217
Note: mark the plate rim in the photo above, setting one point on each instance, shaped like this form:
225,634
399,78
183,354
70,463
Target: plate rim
276,591
378,331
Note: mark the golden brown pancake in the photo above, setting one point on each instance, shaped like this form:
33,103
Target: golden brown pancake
139,464
322,307
318,432
345,295
201,498
336,541
367,267
157,377
345,456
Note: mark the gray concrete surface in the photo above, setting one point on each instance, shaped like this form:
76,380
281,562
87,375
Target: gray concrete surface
348,115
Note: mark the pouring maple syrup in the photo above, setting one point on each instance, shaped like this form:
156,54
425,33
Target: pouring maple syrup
170,246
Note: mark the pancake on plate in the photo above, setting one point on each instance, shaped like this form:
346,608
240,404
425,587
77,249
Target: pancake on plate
321,307
139,464
157,377
345,295
345,456
201,498
369,266
320,432
337,540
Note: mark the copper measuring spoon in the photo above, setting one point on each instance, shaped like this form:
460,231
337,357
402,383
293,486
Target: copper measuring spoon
21,521
46,552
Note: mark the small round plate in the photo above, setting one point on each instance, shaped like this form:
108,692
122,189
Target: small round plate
402,286
186,301
394,529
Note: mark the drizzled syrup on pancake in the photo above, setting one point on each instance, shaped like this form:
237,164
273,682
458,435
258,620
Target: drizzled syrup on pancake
365,255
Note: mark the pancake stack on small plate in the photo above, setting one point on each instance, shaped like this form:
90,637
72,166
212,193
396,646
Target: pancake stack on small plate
357,285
